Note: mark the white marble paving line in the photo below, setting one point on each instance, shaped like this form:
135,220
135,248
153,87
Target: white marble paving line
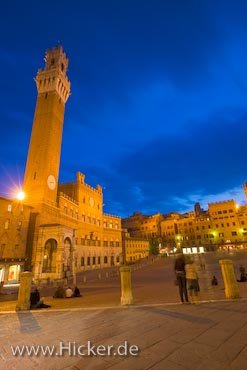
102,308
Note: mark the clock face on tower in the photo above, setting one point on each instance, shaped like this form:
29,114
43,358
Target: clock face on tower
51,182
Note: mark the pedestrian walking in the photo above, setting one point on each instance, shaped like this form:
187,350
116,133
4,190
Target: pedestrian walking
179,268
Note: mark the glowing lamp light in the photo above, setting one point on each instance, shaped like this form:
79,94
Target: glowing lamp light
20,195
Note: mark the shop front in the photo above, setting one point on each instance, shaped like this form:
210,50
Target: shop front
10,271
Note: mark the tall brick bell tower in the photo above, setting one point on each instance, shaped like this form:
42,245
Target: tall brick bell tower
42,166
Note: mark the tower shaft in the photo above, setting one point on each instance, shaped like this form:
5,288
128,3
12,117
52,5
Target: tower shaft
42,166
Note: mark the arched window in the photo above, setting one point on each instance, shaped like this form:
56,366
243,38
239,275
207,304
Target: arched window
49,259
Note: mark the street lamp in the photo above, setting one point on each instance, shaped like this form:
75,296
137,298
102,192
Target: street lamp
20,195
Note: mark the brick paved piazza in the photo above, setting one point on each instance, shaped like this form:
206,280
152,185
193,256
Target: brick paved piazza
211,335
208,336
152,283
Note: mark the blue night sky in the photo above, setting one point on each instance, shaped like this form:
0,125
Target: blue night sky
158,111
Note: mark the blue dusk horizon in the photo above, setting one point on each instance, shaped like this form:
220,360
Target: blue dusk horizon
158,111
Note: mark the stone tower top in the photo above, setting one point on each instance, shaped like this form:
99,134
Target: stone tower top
55,58
53,77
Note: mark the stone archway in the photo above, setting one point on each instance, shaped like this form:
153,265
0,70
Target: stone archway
49,258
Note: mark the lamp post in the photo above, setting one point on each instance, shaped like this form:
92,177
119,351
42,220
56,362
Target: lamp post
20,195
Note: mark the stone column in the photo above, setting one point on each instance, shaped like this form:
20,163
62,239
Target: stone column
23,301
230,282
6,274
126,288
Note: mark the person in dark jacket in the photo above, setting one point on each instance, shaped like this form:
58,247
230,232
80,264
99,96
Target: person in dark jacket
179,268
76,292
243,277
35,301
214,281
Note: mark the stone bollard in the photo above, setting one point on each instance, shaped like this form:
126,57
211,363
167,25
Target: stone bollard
126,288
99,275
230,282
23,301
84,279
106,274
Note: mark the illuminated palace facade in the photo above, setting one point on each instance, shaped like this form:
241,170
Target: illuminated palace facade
57,230
222,226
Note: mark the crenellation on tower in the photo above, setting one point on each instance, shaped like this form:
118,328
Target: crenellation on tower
53,76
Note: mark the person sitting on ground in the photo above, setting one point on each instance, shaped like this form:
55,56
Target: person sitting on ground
69,292
77,292
243,278
1,287
59,292
35,301
214,281
242,270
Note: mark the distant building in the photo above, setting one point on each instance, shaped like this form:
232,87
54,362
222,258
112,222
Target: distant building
222,226
135,248
143,226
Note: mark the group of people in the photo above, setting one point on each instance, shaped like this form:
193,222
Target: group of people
68,292
187,279
37,302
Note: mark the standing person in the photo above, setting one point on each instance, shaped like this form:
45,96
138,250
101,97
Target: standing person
192,280
179,268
